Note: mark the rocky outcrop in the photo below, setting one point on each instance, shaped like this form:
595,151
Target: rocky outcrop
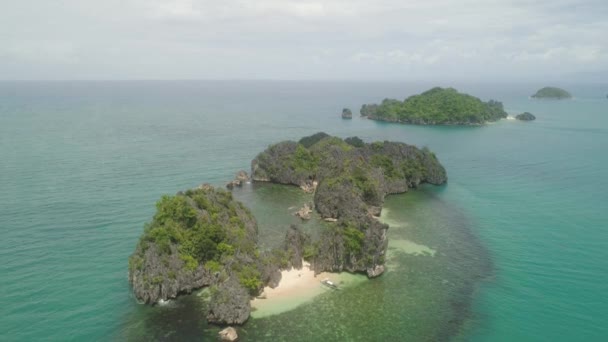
238,181
229,334
202,237
230,303
295,243
352,178
309,186
304,212
156,275
525,116
347,113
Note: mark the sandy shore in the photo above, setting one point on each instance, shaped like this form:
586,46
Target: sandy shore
296,288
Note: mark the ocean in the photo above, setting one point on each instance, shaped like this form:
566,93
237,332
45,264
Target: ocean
513,248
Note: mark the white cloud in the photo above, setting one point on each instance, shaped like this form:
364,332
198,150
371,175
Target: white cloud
46,52
289,38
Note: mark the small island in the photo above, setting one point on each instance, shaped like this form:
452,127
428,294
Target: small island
347,113
203,237
437,106
525,116
553,93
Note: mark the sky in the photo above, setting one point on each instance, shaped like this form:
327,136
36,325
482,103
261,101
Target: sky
302,40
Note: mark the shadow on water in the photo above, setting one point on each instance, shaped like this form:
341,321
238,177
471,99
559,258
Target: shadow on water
422,297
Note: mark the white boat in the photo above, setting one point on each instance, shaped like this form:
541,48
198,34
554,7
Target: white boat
329,284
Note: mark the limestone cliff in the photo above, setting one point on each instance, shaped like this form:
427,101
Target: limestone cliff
353,178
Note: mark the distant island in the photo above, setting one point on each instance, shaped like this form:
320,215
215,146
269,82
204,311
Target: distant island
525,116
552,93
347,113
437,106
204,238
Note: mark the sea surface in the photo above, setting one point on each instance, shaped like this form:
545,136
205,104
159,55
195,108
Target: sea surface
513,248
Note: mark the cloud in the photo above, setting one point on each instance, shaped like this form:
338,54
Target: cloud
307,38
46,52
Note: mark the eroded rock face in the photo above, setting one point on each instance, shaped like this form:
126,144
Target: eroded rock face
238,181
352,178
295,242
164,276
228,334
229,304
304,212
202,237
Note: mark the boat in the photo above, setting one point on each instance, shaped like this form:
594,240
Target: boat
329,284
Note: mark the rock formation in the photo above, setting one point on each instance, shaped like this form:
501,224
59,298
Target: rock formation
436,106
347,113
202,237
304,212
352,183
240,179
552,93
229,334
526,116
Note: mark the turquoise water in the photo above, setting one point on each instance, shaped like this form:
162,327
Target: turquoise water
519,231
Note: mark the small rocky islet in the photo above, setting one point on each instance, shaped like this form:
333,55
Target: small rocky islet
552,93
347,113
203,237
525,116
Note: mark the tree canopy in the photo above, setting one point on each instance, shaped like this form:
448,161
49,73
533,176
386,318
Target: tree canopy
436,106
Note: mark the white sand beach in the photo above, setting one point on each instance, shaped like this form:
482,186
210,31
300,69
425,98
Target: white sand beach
296,288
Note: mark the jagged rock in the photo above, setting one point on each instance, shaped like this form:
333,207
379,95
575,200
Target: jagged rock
375,271
228,334
230,185
261,295
309,186
157,276
295,241
350,181
161,269
374,211
347,113
240,178
229,304
526,116
304,212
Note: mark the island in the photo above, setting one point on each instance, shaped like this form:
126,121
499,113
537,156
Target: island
525,116
347,113
203,237
437,106
552,93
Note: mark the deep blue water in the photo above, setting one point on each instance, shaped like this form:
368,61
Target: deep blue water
82,163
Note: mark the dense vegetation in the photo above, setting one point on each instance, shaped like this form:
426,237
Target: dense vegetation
437,106
201,237
552,93
351,178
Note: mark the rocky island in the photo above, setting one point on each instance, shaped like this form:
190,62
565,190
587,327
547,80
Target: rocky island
347,113
525,116
553,93
204,238
437,106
